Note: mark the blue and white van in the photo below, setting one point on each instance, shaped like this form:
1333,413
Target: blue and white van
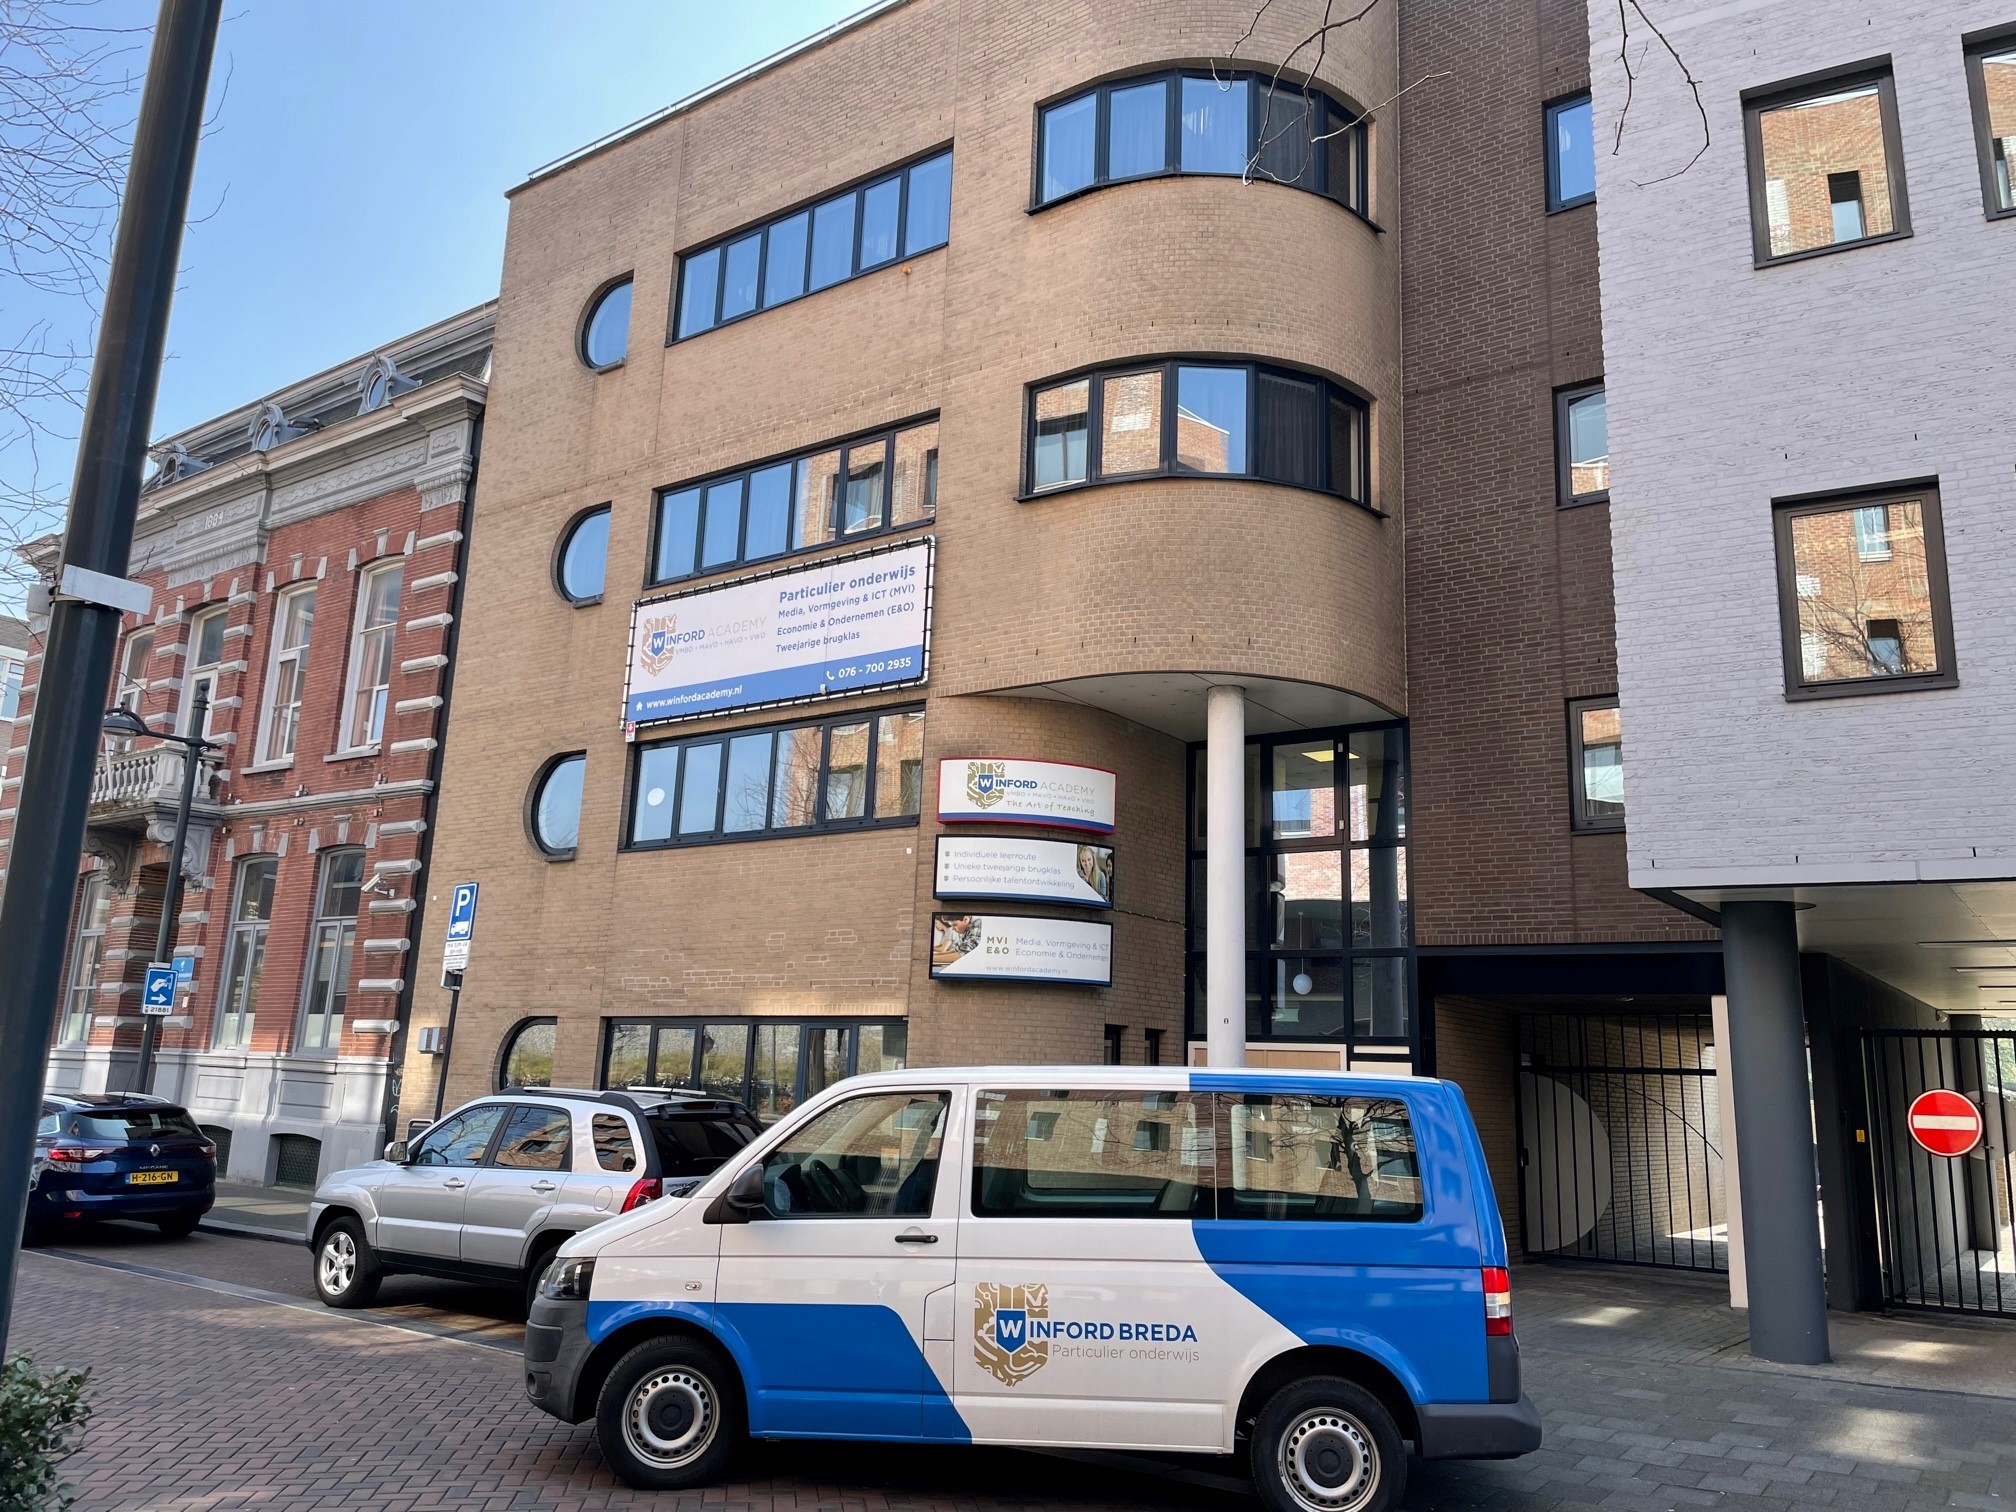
1304,1267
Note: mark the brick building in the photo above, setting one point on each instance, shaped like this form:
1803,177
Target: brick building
305,555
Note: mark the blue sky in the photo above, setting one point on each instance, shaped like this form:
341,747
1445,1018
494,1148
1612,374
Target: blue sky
352,187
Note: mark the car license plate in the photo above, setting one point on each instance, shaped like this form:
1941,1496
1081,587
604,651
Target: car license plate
151,1178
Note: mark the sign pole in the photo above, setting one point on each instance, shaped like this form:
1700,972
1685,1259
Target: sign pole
193,747
447,1042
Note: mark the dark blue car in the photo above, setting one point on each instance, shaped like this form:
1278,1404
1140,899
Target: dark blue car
114,1155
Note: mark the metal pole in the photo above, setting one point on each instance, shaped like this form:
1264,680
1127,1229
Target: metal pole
1225,900
77,653
193,748
447,1045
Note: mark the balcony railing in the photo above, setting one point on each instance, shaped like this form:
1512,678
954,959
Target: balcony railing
133,779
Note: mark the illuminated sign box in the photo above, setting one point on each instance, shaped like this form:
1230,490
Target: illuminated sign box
1006,790
790,636
1037,871
1014,948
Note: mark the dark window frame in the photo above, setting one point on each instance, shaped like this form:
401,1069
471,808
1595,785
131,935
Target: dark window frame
1783,511
699,1022
1580,820
1565,398
900,171
1549,112
509,1042
1357,198
593,308
1766,97
1974,46
563,542
537,790
882,434
1329,388
820,825
1116,1044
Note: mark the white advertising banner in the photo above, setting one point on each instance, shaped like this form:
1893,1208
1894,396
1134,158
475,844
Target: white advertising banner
837,627
1012,948
1005,790
1044,871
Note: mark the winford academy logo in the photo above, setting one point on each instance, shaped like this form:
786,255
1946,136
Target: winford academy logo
1002,1345
660,635
986,782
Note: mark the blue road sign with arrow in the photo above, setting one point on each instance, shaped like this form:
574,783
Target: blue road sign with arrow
158,995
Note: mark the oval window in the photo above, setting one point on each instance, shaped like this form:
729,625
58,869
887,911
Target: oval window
584,556
528,1056
556,806
605,337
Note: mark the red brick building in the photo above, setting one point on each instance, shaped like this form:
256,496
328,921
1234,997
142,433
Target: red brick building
305,555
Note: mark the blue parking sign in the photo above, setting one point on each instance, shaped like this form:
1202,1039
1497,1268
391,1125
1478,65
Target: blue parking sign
157,996
462,912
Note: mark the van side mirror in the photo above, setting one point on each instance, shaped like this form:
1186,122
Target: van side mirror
743,1201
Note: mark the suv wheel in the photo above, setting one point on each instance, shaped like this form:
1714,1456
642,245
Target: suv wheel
669,1415
542,1260
347,1272
1327,1445
180,1226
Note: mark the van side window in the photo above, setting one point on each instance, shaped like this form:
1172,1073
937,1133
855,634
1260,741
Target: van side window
1092,1154
614,1148
1316,1159
868,1157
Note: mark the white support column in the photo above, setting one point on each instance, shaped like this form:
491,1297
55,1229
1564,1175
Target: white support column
1732,1180
1225,877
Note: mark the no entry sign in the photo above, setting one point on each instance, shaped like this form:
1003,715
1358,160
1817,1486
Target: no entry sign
1944,1122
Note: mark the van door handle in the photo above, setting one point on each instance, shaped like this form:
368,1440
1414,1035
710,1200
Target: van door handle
543,1186
454,1183
916,1236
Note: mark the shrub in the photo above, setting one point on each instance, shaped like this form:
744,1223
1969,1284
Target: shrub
42,1420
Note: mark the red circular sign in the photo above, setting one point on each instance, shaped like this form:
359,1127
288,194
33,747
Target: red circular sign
1944,1122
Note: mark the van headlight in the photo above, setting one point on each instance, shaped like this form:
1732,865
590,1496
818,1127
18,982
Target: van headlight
568,1280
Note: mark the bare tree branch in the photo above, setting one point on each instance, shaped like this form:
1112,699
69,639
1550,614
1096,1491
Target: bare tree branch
1631,84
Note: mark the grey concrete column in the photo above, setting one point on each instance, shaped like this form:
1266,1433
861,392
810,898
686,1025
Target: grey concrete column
1766,1050
1225,876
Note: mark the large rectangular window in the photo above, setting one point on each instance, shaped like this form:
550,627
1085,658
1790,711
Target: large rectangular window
1329,925
798,503
1582,444
1596,758
331,939
848,234
371,641
87,956
1862,594
245,951
1187,418
1991,85
1229,124
1571,153
136,662
286,674
1092,1154
846,772
1826,165
770,1064
202,667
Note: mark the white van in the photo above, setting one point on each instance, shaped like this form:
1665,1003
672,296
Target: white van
1304,1267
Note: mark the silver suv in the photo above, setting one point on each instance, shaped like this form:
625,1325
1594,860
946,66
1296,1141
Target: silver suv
492,1190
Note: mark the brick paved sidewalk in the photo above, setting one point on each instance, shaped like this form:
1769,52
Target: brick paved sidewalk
220,1402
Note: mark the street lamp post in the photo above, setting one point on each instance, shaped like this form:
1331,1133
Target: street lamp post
126,722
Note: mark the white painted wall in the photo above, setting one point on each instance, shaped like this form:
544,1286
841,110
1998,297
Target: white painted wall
1730,386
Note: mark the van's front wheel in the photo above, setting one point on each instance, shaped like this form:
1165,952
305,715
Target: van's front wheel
669,1415
1325,1444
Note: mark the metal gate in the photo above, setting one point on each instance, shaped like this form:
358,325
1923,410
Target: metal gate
1946,1225
1620,1142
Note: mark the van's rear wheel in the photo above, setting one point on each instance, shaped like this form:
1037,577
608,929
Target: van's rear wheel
669,1415
1327,1445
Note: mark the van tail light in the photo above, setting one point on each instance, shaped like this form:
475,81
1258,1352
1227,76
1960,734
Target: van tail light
644,1189
76,1155
1497,1302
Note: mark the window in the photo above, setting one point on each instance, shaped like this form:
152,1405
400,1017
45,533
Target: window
584,557
1582,444
1092,1154
331,939
203,666
527,1060
1571,153
1991,84
605,329
556,805
371,655
1116,1040
10,686
245,951
87,956
1862,594
1596,752
1329,924
1151,1047
1156,124
1191,418
534,1139
460,1139
1310,1159
136,660
770,1064
1826,167
854,232
868,1157
844,490
615,1147
286,674
845,772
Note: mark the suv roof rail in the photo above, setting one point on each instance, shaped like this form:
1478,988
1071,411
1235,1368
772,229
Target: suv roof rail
633,1098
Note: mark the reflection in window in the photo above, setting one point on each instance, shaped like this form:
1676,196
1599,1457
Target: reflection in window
1131,425
1571,153
1825,165
1596,735
605,336
251,914
1873,611
1214,128
1058,448
1068,138
1211,419
1582,433
87,954
1304,1159
1991,77
770,1064
584,558
556,809
1089,1153
331,939
528,1055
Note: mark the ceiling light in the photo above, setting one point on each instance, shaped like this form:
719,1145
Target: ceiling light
1967,944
